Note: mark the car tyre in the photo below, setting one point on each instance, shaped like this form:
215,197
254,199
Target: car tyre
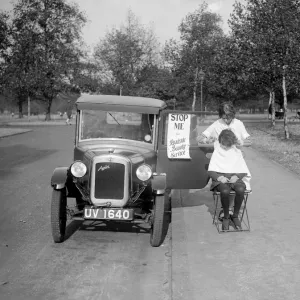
161,219
58,215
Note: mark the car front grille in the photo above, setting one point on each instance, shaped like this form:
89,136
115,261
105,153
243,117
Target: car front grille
109,180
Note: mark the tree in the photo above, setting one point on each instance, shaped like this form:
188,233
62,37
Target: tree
201,35
4,34
4,45
267,39
54,31
127,50
229,75
155,82
18,62
86,77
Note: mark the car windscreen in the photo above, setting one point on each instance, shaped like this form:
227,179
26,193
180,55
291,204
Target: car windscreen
96,124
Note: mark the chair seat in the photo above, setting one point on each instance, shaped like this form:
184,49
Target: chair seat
233,192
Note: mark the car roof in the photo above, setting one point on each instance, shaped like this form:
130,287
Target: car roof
120,103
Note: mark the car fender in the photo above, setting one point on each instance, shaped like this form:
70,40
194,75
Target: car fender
159,182
59,178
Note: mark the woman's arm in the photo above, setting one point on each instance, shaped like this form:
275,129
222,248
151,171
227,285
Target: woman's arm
206,137
247,142
201,139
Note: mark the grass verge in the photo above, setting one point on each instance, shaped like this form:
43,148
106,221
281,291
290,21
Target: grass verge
272,142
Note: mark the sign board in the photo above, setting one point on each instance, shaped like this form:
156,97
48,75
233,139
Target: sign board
178,141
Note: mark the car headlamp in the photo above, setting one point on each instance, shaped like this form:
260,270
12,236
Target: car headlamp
78,169
143,172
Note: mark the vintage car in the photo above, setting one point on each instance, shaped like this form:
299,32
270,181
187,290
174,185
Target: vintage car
129,153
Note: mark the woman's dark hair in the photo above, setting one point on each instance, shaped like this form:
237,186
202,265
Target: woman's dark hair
227,138
227,109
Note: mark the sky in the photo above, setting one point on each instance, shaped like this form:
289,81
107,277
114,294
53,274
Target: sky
164,16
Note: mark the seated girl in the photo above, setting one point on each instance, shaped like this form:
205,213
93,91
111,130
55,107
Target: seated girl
228,171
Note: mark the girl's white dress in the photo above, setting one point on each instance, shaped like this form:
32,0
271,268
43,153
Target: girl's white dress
229,161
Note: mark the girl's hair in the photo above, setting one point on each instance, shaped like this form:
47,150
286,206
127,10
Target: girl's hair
227,138
227,109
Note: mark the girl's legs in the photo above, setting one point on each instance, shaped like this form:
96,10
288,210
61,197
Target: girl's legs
224,190
239,188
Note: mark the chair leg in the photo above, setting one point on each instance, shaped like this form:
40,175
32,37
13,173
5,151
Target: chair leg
245,220
243,215
216,200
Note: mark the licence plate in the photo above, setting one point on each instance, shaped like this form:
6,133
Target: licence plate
108,213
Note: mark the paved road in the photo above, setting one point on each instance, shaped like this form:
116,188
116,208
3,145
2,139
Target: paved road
95,262
106,263
259,265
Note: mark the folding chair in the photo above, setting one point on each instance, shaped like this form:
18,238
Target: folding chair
243,214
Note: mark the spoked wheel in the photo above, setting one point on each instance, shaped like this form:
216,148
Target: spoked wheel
58,215
161,219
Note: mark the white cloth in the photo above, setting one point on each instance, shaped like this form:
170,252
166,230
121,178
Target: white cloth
229,161
237,126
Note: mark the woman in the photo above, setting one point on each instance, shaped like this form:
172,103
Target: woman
227,120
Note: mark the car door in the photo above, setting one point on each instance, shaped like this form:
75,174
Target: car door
185,162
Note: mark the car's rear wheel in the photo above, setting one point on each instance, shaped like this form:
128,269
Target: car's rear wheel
58,215
161,219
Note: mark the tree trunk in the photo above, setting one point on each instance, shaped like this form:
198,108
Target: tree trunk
48,109
194,99
270,106
285,119
201,96
121,88
195,90
273,108
28,108
20,104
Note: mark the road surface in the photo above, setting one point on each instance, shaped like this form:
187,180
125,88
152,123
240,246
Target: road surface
95,262
98,262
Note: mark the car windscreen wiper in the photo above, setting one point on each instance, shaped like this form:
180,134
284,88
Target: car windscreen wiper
114,118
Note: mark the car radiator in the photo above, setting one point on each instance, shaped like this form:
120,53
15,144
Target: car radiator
110,180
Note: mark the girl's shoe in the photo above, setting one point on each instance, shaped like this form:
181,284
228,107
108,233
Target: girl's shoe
225,224
237,223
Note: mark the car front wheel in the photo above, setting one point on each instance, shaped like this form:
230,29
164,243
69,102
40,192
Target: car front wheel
161,220
58,215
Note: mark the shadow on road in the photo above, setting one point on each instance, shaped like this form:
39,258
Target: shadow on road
189,198
114,226
72,227
21,155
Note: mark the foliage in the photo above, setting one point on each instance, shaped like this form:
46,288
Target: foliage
127,50
86,77
266,43
154,82
46,46
231,80
201,36
4,33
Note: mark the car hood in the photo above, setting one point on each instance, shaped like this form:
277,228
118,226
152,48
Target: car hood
135,153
